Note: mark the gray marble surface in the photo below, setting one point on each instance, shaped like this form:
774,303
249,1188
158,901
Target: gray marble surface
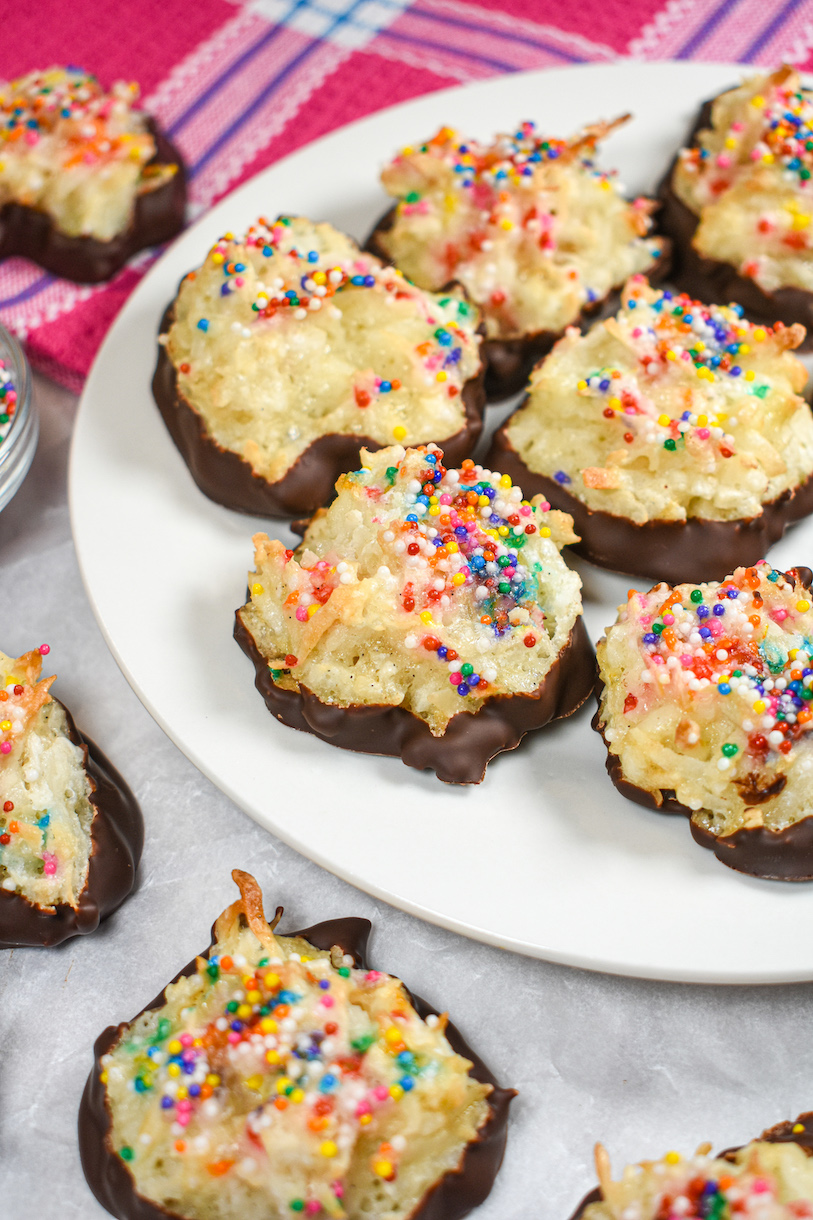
642,1066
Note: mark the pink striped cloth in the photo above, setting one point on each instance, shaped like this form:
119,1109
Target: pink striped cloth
239,84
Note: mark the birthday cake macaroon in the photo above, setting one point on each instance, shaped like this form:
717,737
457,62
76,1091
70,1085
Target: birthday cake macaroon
770,1178
705,706
280,1075
289,350
674,433
71,832
538,235
427,614
738,200
86,177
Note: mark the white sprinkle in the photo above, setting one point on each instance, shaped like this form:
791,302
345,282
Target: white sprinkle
411,641
723,764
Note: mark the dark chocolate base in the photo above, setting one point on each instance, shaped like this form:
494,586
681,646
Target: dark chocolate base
782,1133
697,549
117,835
451,1198
720,283
773,855
157,216
470,741
509,361
225,477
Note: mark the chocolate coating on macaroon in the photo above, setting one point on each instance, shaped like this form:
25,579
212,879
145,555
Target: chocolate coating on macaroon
461,754
719,282
774,855
157,216
697,549
452,1197
228,479
117,840
509,361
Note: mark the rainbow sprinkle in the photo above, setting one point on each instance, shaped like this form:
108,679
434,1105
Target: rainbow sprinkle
716,636
8,400
458,539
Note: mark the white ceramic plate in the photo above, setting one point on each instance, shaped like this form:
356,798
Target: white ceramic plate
544,857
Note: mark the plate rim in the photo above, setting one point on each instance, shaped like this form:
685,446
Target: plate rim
190,235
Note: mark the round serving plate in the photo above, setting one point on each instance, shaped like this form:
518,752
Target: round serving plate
544,857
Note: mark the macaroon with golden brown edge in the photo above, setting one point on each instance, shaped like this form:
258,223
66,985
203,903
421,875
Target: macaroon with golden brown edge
674,433
738,200
289,350
86,177
538,235
427,614
281,1075
706,708
771,1178
71,832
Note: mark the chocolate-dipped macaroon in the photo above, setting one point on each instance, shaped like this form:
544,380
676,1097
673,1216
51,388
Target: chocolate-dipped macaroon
674,434
86,178
289,350
737,201
71,832
280,1075
705,705
538,235
427,614
772,1177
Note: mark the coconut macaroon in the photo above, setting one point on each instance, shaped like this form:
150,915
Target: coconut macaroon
705,707
70,829
427,613
290,349
764,1179
674,433
538,235
738,200
86,178
280,1075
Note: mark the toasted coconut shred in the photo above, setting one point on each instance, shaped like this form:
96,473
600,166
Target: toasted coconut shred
280,1079
290,333
749,181
532,228
769,1181
708,693
45,809
419,587
672,409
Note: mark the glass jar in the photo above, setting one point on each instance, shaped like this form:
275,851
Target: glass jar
19,426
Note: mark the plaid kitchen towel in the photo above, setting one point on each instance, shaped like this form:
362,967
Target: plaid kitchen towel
239,85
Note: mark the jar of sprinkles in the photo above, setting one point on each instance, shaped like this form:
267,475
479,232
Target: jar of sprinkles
19,426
